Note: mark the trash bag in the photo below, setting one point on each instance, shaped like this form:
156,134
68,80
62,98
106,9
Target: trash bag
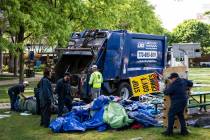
21,105
202,122
96,121
143,119
31,105
115,115
56,125
100,102
72,124
28,105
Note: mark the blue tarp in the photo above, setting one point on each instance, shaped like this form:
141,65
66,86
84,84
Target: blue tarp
96,121
100,102
141,112
80,119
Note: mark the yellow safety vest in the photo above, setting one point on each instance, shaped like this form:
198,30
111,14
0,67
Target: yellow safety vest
96,79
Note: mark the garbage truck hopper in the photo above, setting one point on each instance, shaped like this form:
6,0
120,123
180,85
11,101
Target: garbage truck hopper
73,60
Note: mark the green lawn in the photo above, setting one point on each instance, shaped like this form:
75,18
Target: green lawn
27,127
7,78
200,76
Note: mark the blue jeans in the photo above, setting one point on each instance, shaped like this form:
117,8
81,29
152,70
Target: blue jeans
177,109
61,103
95,93
13,99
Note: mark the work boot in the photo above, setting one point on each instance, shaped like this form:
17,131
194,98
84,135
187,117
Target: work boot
185,132
167,133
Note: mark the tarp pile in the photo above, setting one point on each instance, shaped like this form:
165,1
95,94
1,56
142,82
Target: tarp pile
26,105
103,113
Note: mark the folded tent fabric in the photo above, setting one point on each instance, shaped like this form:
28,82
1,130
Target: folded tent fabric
115,115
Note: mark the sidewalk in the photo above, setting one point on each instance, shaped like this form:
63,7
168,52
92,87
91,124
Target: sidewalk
4,105
16,81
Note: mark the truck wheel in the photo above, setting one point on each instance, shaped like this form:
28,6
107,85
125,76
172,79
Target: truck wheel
124,90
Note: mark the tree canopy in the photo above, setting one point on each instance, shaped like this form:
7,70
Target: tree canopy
52,21
192,31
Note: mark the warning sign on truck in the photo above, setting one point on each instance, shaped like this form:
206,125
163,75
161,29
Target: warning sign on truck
144,84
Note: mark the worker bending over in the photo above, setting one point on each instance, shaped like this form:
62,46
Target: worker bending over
63,90
14,92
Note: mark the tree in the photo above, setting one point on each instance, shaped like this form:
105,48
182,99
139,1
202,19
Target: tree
32,18
54,20
192,31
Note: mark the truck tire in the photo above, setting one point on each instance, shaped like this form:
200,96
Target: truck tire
124,90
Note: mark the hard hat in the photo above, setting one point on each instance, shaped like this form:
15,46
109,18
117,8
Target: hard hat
94,67
26,83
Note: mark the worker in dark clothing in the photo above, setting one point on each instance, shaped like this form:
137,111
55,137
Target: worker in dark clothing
46,98
14,92
177,91
36,94
63,90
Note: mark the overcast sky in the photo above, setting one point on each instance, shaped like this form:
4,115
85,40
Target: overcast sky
173,12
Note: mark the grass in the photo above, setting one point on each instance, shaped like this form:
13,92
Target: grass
200,76
7,78
27,127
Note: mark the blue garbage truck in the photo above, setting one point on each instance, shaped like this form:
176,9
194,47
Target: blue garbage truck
118,54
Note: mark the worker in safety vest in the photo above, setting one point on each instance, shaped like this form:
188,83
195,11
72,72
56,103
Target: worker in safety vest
95,82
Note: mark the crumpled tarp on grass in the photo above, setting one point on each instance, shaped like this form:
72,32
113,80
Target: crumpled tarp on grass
103,113
79,119
143,113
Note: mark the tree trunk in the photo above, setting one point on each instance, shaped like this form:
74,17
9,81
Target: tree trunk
11,62
15,66
21,58
21,64
1,61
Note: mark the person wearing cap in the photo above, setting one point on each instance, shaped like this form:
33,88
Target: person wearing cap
45,98
63,90
15,91
95,82
177,91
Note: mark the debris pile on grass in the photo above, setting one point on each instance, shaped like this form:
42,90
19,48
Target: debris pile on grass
106,112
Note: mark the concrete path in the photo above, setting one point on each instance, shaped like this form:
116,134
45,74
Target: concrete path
4,105
16,81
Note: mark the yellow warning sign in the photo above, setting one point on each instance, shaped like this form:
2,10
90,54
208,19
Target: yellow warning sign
144,84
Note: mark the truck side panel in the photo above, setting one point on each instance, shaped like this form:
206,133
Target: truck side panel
112,63
143,54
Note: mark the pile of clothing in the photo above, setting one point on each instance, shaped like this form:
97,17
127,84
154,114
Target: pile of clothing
106,112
